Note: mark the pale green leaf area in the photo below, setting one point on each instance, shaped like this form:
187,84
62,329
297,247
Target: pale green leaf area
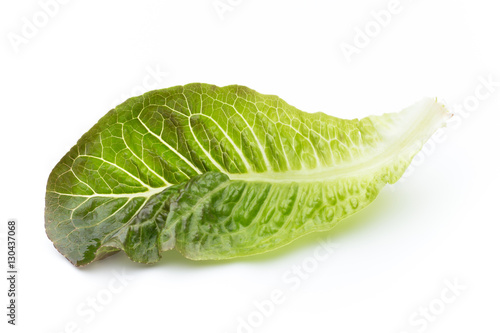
222,172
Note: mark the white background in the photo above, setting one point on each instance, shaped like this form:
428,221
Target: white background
437,226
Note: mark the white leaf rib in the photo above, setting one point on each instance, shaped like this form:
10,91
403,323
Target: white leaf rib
81,181
262,150
182,157
121,227
305,138
207,154
73,210
288,165
214,162
238,150
144,163
118,167
107,217
146,194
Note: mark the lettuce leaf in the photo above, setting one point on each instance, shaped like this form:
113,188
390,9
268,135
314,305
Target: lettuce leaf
222,172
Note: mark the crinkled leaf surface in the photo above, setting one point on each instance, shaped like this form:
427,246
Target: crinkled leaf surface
221,172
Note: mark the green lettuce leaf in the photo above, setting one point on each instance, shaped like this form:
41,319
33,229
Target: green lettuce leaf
221,172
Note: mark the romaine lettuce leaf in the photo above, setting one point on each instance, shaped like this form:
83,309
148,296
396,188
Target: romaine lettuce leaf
221,172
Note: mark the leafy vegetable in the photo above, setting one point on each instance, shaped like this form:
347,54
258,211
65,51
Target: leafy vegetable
221,172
